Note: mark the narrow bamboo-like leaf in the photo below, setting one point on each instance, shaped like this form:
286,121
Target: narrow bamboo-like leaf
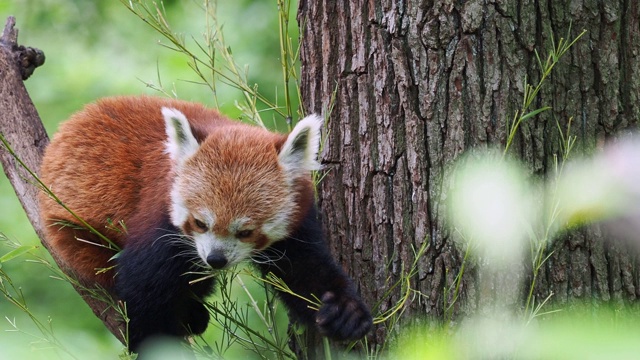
16,252
534,113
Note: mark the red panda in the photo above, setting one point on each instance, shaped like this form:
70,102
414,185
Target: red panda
180,188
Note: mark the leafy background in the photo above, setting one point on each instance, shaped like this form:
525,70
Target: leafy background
95,49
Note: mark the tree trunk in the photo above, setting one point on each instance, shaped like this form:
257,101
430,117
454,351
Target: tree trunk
22,128
417,83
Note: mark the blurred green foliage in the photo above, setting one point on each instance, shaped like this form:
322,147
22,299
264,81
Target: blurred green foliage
95,49
578,332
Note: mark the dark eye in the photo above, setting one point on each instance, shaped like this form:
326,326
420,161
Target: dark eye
200,225
242,234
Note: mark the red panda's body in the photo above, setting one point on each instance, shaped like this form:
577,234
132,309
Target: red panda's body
179,187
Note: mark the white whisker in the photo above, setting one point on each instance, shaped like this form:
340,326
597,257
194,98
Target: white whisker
299,240
265,258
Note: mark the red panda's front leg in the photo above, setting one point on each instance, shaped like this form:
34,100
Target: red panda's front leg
304,263
153,278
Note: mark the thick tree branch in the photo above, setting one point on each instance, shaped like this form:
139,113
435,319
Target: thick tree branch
21,126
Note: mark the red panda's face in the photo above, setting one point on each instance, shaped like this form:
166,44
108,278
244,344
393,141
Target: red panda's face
233,194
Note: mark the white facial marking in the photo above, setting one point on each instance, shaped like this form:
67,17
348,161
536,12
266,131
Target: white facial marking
232,249
238,224
277,228
206,216
179,212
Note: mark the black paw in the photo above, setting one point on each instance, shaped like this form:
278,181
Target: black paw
198,318
343,317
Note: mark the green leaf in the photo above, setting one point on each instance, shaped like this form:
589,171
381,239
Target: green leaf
534,112
16,252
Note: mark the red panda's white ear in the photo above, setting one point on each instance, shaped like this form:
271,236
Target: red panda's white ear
181,143
299,153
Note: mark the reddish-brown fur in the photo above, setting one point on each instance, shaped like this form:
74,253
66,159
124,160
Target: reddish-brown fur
120,171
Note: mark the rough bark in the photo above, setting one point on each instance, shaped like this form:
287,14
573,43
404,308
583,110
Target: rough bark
417,83
21,126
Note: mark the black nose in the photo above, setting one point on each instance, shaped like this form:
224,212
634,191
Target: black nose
216,261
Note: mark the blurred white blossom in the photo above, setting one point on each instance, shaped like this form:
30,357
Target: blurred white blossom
604,187
492,205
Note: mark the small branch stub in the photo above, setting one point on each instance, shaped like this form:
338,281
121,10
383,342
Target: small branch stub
10,33
27,58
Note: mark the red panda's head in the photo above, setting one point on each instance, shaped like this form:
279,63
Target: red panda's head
235,192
